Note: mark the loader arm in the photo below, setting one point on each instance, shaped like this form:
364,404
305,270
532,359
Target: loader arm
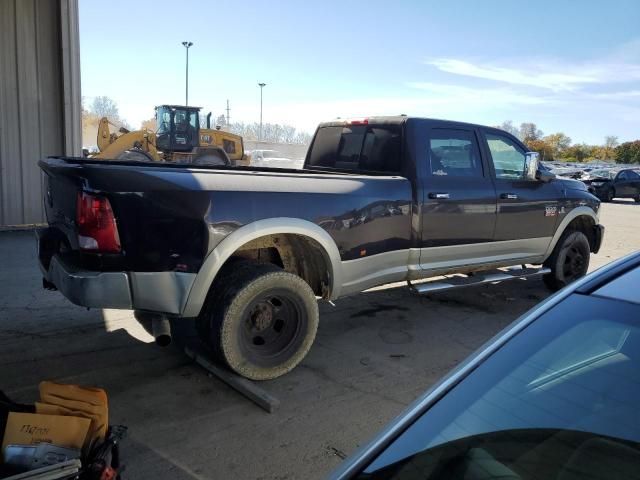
113,146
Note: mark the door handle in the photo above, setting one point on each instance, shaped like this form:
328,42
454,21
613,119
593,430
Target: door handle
509,196
439,196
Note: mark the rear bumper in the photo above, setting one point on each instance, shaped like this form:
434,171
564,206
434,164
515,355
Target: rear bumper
161,292
598,234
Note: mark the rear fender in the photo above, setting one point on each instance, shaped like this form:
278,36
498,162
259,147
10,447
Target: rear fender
227,247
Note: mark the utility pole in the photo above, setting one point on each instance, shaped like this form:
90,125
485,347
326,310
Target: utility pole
186,45
228,116
261,85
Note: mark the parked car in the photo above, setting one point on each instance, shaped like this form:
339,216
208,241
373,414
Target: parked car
553,396
263,158
623,184
247,250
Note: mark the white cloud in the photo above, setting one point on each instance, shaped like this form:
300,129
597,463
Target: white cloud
546,74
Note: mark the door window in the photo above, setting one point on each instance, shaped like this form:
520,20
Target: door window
454,153
507,156
622,176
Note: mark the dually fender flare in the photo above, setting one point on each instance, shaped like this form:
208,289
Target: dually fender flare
572,215
272,226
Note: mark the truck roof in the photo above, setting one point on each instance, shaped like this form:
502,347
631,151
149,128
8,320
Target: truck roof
392,120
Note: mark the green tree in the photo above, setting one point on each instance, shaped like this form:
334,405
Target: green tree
558,142
628,152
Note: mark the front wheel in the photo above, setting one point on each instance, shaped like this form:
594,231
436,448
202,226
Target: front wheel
608,195
263,321
569,260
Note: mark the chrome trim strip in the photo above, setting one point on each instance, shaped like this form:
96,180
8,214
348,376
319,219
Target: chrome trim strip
251,231
364,455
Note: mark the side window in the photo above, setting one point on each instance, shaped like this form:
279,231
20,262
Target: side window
454,153
228,146
508,157
365,148
622,176
633,175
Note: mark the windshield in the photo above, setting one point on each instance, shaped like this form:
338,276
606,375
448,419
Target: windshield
563,391
603,173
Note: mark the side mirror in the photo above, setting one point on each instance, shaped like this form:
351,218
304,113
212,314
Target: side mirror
531,161
545,176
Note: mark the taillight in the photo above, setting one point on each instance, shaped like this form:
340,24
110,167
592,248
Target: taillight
358,121
97,228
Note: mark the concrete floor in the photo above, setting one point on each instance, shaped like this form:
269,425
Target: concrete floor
374,354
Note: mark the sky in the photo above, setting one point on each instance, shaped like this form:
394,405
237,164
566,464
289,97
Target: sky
569,66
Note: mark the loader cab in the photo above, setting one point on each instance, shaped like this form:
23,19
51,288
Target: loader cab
178,128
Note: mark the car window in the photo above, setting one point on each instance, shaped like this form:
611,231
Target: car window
454,153
363,148
507,156
562,392
622,176
631,175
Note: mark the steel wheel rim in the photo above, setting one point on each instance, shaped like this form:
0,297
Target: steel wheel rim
575,264
271,327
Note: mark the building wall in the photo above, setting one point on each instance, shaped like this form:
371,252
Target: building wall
40,111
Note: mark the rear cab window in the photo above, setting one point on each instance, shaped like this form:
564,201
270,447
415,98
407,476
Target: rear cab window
369,148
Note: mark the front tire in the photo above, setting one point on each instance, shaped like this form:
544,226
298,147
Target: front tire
569,260
263,321
608,195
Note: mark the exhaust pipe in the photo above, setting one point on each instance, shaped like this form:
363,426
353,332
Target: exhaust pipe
161,330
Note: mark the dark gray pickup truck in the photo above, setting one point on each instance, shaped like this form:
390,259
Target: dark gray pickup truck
248,250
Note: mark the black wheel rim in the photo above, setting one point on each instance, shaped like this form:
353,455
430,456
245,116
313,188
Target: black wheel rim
272,328
575,264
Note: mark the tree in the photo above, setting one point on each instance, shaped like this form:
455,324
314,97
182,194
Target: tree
610,143
628,152
576,152
105,107
221,120
558,142
530,131
509,127
542,147
149,124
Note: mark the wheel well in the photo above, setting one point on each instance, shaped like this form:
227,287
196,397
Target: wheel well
584,224
296,254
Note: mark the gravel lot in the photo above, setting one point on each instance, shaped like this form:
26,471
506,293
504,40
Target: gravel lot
374,354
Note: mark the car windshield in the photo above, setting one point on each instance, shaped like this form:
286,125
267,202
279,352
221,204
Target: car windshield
603,173
557,401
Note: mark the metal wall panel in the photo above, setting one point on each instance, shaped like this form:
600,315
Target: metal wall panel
38,114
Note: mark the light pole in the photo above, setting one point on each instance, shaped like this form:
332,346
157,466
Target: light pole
261,85
186,94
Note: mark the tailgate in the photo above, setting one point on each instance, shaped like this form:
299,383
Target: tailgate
61,189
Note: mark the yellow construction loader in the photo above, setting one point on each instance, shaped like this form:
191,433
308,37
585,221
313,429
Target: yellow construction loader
178,138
